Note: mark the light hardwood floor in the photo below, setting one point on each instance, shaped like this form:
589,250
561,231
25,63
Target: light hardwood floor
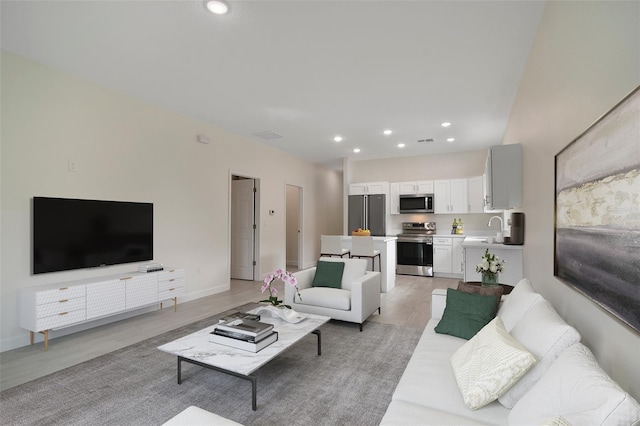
408,304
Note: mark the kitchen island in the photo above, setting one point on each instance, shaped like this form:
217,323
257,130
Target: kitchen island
473,250
387,248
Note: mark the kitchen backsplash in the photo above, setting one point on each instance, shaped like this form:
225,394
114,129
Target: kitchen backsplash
473,224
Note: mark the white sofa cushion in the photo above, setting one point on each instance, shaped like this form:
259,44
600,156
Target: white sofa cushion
578,390
520,300
546,335
197,416
489,364
428,380
353,270
325,297
404,413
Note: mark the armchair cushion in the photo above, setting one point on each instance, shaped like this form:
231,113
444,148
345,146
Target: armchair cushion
328,274
326,297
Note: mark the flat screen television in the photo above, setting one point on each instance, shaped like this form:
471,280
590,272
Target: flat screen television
73,234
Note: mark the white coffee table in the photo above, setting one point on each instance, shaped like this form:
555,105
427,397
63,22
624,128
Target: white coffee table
196,349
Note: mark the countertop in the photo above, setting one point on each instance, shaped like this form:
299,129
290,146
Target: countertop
478,242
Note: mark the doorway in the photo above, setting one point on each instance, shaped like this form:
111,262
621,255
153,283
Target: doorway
293,218
243,218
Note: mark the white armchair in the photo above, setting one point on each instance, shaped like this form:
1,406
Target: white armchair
357,298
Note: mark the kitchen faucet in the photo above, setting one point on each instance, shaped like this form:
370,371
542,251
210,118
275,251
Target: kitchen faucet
496,217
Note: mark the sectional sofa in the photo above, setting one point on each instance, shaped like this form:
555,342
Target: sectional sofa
525,367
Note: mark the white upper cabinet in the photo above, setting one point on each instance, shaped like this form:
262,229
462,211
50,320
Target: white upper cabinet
418,187
475,187
504,177
367,188
394,195
450,196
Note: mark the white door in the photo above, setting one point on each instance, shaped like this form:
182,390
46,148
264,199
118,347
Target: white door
242,228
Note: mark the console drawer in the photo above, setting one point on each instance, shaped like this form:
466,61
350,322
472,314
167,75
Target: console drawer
64,305
62,293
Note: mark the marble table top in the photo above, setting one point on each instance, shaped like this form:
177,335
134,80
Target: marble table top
197,347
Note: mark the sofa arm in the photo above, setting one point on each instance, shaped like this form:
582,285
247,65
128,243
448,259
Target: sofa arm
365,294
305,280
438,302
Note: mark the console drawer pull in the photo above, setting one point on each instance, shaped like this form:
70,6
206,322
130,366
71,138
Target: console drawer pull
63,288
63,301
125,278
63,313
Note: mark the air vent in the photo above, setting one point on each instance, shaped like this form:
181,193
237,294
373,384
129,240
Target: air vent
267,135
426,140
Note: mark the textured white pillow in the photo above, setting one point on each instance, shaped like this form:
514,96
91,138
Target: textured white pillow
546,335
517,303
577,389
488,364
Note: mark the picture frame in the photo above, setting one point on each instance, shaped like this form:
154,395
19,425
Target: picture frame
597,212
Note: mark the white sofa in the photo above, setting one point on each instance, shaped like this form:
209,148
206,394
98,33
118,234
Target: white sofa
357,298
565,385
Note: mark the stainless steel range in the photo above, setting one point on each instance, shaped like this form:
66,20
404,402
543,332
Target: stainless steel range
415,249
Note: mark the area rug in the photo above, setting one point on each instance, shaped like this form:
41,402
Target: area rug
351,383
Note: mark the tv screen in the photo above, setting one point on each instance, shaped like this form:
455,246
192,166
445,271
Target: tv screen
72,234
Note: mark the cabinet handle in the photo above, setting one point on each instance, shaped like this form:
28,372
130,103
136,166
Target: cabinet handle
63,301
171,289
125,278
63,313
172,279
173,270
63,288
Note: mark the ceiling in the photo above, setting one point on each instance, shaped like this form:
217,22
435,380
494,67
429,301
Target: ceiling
304,70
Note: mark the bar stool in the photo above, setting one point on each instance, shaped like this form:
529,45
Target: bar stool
363,247
331,245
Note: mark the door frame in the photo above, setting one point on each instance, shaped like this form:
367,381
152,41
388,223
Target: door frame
256,242
300,222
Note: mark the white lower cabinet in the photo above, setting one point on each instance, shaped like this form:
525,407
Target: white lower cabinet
442,255
457,255
53,306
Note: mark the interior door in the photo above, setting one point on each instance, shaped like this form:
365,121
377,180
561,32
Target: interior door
242,229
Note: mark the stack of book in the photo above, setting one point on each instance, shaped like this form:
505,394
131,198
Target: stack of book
246,334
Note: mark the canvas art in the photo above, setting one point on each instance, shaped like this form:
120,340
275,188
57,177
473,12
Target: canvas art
597,232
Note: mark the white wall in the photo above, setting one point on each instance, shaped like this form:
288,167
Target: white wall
127,150
586,58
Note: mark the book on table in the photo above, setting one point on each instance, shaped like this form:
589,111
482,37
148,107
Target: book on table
265,341
239,315
245,327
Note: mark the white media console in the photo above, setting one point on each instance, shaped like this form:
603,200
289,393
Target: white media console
54,306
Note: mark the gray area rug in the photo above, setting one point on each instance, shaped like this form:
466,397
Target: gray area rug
351,383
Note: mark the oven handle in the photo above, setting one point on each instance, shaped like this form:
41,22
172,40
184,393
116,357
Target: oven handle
415,240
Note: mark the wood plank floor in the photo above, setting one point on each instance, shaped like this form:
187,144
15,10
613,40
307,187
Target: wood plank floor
408,304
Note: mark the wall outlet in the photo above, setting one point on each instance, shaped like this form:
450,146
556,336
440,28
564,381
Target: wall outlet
71,166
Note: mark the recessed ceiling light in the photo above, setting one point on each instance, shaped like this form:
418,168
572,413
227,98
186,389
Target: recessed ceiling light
219,7
451,139
445,124
356,150
338,138
401,145
387,132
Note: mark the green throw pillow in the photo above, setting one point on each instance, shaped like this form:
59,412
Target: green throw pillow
328,274
466,313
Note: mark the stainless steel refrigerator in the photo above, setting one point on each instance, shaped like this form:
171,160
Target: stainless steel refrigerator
368,212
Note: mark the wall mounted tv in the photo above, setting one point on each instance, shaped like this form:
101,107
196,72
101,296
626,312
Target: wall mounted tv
72,234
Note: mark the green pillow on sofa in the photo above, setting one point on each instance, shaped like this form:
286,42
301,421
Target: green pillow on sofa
466,313
328,274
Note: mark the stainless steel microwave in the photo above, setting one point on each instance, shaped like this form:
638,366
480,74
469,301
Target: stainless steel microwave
416,203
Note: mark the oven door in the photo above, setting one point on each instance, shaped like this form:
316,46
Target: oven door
415,256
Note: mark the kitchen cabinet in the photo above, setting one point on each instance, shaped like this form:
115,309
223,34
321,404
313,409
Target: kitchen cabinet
457,255
503,174
442,247
450,196
475,188
368,188
394,195
418,187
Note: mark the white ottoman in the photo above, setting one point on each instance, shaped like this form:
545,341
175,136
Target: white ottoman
194,416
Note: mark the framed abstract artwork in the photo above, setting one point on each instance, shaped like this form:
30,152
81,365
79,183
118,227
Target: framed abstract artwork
597,212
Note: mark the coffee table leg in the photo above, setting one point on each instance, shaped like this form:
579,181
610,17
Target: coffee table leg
254,392
317,333
179,370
